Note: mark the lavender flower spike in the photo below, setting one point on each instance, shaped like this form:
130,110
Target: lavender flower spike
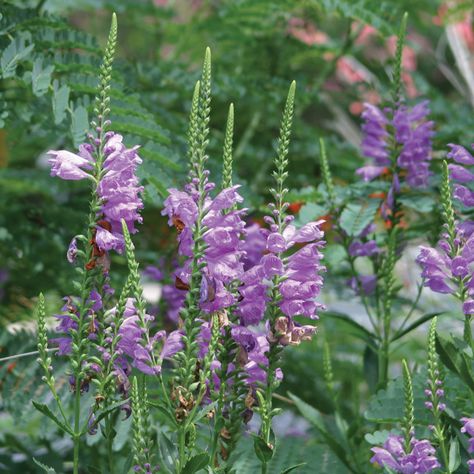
420,460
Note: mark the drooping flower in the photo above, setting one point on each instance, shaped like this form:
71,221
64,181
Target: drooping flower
420,459
69,166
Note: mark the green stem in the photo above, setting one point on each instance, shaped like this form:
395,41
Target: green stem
77,434
110,440
181,451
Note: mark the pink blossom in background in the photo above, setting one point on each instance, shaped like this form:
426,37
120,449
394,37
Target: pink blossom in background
306,32
348,71
161,3
465,29
366,34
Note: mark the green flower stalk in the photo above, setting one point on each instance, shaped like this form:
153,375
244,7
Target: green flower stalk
408,423
265,397
227,154
435,394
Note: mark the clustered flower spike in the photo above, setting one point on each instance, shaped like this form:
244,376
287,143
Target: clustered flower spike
420,459
223,253
118,189
446,266
468,429
461,174
412,133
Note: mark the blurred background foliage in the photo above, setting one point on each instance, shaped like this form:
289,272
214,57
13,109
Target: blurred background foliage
339,52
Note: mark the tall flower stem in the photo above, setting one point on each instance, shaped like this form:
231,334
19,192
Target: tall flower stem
90,276
280,174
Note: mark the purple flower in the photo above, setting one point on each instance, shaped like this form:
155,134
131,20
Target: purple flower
464,195
363,249
420,460
118,189
69,166
174,298
468,428
223,230
253,245
460,155
72,251
374,143
144,353
412,133
153,273
366,283
443,272
459,172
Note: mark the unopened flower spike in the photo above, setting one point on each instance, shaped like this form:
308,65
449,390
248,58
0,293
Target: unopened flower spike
409,409
326,173
397,73
434,393
406,454
227,154
142,445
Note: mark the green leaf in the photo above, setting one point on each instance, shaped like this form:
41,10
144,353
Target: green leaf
371,368
292,468
418,202
196,463
47,411
15,52
47,469
377,438
101,414
356,329
452,354
167,450
357,216
79,124
60,101
263,451
315,418
162,408
454,455
41,77
414,325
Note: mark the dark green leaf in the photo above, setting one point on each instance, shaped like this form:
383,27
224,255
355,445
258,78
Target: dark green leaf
196,463
46,411
47,469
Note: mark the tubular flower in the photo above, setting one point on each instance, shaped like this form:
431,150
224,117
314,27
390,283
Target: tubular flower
118,189
413,135
461,174
420,459
468,428
450,266
300,273
222,236
442,272
145,354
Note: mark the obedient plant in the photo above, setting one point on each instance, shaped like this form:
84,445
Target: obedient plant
241,292
100,336
242,286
